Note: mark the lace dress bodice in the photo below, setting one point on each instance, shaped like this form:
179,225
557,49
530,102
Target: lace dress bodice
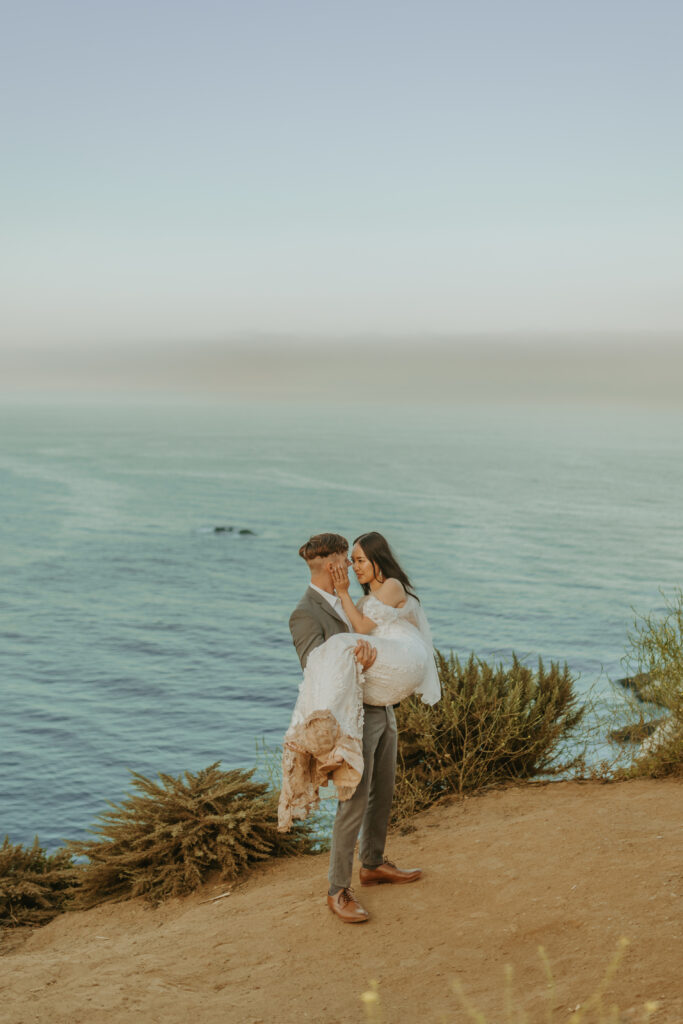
404,654
385,616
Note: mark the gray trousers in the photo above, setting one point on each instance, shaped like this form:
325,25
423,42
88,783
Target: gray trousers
368,810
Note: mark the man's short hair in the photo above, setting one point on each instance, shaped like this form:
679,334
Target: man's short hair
322,545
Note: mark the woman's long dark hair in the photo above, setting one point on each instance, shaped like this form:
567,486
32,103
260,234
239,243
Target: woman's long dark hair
376,549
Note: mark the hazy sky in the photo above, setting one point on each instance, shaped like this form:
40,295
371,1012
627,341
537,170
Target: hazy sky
193,170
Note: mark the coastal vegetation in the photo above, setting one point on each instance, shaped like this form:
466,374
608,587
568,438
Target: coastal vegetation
494,724
163,840
34,886
655,659
169,836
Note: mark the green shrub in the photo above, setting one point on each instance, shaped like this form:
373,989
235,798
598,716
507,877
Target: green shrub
34,886
491,725
165,840
656,654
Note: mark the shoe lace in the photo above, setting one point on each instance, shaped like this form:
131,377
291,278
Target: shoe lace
347,896
389,862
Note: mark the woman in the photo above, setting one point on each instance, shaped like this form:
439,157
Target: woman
325,735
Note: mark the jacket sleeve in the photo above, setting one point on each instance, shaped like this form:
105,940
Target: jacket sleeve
307,634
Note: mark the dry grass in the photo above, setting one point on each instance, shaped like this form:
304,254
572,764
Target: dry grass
593,1010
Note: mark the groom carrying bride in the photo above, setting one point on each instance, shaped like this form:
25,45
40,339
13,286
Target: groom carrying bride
319,616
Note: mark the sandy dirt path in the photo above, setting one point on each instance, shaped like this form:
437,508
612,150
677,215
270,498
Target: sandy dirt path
569,866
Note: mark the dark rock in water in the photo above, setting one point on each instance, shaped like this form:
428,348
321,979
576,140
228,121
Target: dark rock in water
636,732
640,686
232,529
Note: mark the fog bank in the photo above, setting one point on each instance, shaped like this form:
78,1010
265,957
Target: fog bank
463,370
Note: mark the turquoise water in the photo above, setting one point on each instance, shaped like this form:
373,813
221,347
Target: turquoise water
134,636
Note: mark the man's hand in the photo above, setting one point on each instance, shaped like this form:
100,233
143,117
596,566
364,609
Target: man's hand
365,653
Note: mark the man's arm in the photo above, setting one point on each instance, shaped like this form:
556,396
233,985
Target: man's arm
307,634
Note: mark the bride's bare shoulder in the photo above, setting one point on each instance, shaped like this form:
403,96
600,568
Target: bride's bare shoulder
392,592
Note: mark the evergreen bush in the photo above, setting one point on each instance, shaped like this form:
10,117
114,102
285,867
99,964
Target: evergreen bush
492,724
169,836
34,886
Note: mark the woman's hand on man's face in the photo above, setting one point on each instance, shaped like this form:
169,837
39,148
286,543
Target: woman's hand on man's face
340,577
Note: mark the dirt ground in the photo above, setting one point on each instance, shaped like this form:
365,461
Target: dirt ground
572,867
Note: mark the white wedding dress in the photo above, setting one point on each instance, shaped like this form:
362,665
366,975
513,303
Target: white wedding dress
325,736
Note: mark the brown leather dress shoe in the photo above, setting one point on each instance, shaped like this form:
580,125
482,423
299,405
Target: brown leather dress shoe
345,905
387,872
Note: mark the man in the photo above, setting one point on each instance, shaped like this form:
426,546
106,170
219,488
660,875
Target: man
317,617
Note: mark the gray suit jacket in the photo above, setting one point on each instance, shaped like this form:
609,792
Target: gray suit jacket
312,622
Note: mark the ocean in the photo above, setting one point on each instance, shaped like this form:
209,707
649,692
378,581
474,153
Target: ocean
149,564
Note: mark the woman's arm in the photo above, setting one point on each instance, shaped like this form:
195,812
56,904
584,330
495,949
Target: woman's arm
340,578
